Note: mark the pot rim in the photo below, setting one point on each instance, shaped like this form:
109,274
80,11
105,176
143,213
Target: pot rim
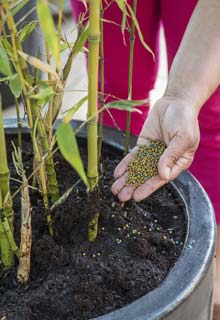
190,268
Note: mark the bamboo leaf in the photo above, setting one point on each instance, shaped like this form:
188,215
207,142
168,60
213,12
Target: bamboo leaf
3,79
15,85
68,146
37,63
66,45
64,196
78,46
137,26
70,113
44,93
7,46
15,8
123,22
48,27
122,6
26,30
128,105
4,61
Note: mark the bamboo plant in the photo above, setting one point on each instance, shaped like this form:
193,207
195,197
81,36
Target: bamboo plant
130,75
93,62
22,73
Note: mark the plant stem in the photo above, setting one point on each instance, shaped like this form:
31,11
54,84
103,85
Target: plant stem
59,27
102,83
6,201
26,234
6,253
92,126
49,163
42,176
130,75
19,124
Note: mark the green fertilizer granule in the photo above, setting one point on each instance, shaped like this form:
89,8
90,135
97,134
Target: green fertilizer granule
144,165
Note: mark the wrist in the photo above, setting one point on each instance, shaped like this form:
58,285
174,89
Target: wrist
185,93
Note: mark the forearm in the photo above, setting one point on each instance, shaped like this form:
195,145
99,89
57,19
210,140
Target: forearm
195,72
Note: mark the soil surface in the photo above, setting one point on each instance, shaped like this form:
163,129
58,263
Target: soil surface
137,245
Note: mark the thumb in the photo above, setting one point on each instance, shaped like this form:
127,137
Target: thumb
170,159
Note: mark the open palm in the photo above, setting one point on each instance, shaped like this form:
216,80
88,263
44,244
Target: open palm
174,122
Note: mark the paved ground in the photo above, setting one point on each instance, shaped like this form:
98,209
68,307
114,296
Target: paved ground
77,84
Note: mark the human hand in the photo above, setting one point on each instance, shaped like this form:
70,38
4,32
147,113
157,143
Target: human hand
174,122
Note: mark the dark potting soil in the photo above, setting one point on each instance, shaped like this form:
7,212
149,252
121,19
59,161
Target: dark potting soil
137,245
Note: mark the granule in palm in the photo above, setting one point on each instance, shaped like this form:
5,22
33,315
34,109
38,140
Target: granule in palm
144,165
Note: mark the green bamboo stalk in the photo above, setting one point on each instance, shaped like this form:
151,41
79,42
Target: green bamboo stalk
6,253
92,126
53,188
49,123
6,201
50,114
59,26
130,75
102,82
19,123
42,177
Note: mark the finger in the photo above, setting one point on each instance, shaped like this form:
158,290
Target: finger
170,157
122,166
148,187
119,184
126,193
181,165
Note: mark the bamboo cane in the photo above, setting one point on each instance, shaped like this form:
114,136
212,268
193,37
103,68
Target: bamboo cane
92,126
6,201
19,123
130,75
26,234
102,82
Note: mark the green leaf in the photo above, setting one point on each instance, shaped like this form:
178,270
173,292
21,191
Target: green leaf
26,30
127,105
49,30
15,85
18,6
37,63
78,46
121,4
4,64
70,112
137,26
66,45
8,47
44,93
3,79
68,146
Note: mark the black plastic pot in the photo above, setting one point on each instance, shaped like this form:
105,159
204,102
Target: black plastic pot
187,291
31,46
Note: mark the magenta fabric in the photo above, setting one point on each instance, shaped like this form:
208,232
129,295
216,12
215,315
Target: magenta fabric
174,15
